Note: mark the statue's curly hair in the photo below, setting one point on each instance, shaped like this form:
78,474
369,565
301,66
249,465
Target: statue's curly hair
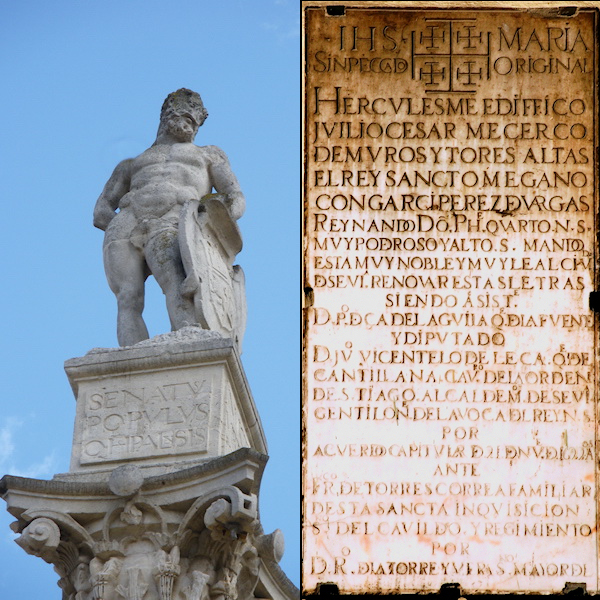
185,98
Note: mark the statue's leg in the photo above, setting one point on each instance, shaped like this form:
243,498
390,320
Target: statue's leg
164,260
126,273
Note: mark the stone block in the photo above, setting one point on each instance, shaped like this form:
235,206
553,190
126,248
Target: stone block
450,345
163,404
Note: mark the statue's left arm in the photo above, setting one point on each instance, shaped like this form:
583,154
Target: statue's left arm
225,182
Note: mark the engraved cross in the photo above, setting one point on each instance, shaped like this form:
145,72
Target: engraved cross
432,75
432,37
468,74
469,36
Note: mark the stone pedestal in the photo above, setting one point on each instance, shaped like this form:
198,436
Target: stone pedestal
161,406
161,502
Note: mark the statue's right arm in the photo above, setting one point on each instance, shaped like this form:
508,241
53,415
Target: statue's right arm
116,187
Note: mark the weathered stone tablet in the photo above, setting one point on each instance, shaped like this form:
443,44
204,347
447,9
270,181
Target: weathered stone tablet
450,260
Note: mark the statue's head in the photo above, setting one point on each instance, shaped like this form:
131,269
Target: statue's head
181,115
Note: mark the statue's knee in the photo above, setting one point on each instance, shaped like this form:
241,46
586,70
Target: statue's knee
170,284
130,301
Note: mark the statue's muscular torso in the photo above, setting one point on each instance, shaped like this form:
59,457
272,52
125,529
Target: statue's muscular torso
160,181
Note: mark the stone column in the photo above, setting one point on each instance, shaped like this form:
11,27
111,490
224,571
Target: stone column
161,501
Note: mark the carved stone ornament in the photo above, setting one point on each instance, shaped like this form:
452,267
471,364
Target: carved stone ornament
210,240
40,538
190,535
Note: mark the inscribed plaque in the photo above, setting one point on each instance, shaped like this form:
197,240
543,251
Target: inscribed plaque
450,226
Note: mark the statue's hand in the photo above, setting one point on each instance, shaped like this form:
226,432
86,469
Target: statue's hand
223,198
102,218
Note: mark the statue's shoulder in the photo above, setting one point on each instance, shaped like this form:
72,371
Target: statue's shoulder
213,153
123,169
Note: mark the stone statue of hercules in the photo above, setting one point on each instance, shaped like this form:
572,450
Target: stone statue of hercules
139,210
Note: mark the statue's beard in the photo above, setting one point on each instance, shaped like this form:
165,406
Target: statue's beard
180,132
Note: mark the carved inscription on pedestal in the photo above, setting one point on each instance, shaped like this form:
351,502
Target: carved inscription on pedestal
160,416
450,225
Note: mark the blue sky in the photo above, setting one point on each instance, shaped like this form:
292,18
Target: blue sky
83,82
